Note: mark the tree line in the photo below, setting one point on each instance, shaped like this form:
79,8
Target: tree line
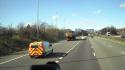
113,30
16,39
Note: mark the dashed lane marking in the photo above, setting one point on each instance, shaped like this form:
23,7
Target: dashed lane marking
57,61
123,52
68,52
73,47
94,53
61,58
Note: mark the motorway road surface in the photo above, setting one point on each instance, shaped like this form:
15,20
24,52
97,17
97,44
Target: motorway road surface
91,54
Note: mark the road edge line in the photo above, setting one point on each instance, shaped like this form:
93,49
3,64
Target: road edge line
13,59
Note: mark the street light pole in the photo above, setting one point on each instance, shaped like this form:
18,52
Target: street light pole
56,19
37,23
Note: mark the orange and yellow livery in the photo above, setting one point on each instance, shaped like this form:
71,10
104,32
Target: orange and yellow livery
41,48
36,49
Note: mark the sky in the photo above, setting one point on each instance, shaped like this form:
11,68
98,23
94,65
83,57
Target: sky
72,14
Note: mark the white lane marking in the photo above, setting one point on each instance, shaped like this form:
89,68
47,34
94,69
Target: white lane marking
61,58
123,52
13,59
64,55
111,46
55,44
73,47
92,47
57,61
94,53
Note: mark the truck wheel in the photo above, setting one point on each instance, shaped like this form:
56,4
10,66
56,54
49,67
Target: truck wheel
52,51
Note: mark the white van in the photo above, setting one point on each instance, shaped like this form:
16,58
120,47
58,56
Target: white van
108,33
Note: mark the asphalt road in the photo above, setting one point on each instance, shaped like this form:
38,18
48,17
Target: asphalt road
91,54
21,60
82,57
110,54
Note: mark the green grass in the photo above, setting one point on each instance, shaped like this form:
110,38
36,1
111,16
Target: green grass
113,38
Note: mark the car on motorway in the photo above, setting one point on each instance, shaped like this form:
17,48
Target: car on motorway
83,37
108,33
40,49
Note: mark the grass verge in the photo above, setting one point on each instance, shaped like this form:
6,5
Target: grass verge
117,39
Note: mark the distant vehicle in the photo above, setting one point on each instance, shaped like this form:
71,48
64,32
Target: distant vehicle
70,35
83,37
108,34
40,49
91,35
123,36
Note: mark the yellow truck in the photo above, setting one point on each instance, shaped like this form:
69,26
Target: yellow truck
70,35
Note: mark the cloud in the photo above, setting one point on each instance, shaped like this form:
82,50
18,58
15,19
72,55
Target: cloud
97,12
74,14
87,24
122,5
30,23
55,17
81,23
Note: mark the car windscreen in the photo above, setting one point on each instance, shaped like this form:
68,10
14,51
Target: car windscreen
34,46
